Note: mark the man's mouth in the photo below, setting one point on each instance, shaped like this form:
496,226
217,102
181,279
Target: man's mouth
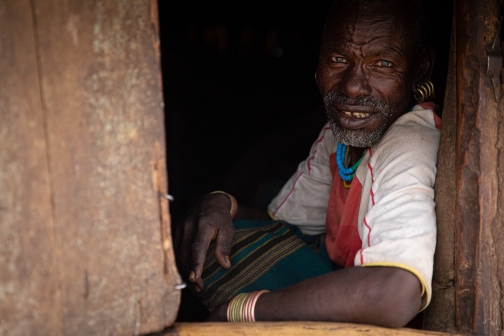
358,115
358,121
357,118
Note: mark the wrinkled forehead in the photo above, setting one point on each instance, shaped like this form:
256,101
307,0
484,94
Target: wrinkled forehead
369,26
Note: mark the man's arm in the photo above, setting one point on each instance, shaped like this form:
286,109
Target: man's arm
210,220
386,296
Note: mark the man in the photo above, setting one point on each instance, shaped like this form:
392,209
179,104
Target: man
381,229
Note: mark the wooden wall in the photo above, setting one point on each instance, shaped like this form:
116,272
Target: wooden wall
478,229
86,245
28,262
469,272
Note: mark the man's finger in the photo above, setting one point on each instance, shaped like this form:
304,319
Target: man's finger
198,285
223,245
205,233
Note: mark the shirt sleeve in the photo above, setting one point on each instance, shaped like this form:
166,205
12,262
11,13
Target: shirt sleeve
399,226
303,199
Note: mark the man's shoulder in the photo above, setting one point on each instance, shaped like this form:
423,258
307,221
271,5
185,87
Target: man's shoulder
409,145
325,144
421,117
412,133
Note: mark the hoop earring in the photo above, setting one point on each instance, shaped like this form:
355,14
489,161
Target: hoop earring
426,92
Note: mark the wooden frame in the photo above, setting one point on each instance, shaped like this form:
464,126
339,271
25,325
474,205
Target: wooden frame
468,276
88,246
81,95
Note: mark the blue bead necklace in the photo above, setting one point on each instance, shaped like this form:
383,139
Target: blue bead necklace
346,174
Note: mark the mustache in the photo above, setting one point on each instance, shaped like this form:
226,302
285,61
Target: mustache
339,98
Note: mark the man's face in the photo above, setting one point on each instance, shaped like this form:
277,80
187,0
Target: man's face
364,73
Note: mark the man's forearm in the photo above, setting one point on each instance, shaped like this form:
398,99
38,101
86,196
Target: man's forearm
375,295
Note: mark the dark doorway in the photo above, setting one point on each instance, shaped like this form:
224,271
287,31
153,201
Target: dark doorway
242,107
235,74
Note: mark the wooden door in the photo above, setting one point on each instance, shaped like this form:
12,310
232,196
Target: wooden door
86,246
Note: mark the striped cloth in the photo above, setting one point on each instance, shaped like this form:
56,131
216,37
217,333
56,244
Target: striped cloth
264,255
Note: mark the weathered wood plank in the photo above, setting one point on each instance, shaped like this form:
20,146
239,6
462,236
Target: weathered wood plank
440,315
102,88
477,287
498,222
28,276
289,328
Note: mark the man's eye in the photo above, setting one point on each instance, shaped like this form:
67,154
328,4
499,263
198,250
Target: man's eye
338,59
384,64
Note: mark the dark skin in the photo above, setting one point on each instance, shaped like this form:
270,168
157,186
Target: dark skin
208,221
363,53
369,55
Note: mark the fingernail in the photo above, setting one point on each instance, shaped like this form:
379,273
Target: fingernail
192,276
228,262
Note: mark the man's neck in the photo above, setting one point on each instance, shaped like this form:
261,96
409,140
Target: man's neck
355,153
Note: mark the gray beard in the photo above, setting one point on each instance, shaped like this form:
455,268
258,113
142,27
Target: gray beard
356,138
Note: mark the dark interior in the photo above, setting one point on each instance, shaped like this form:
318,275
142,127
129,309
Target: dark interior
242,108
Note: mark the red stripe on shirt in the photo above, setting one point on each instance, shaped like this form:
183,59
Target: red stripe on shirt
369,232
309,170
369,165
309,160
371,170
288,195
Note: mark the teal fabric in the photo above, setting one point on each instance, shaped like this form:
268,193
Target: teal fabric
264,255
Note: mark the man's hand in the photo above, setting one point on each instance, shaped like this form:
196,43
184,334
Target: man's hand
207,221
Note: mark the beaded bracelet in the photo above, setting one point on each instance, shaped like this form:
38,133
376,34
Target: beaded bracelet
234,204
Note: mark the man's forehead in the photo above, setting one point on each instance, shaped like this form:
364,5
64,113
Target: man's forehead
364,27
354,17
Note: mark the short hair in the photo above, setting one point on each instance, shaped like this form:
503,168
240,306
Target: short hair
418,27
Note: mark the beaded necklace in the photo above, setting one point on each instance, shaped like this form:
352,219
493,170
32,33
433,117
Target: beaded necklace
346,174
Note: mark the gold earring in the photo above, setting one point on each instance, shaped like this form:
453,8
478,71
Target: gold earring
426,91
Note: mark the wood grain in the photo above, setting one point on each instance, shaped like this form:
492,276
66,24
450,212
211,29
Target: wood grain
498,222
289,328
440,315
101,85
28,273
478,293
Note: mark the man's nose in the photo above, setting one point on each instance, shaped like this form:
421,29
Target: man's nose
355,82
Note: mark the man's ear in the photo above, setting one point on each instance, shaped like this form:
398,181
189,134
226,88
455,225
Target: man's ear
425,61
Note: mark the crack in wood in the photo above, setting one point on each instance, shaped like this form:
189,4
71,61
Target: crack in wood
49,158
